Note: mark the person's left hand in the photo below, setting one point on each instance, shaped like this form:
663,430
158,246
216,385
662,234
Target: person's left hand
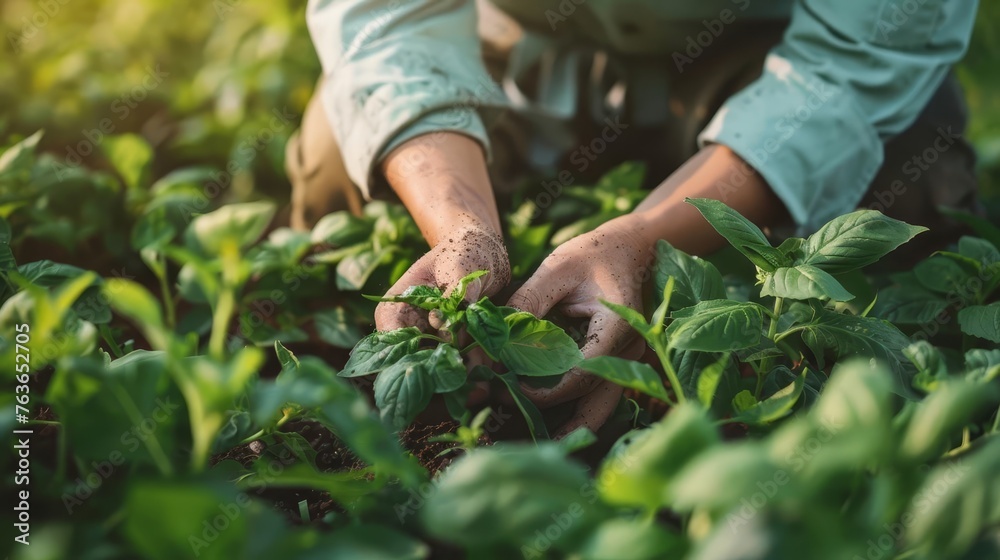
609,263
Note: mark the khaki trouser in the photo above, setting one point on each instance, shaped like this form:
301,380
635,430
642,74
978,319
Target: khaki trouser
927,166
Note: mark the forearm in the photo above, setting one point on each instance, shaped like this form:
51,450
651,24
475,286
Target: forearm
715,172
443,181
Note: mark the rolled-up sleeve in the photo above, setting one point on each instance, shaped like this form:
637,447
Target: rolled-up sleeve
848,75
396,69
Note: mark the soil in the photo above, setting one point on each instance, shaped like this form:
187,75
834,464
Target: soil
333,456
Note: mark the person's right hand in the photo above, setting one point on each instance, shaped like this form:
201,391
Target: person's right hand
455,256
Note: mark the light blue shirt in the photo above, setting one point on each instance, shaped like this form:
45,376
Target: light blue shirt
847,76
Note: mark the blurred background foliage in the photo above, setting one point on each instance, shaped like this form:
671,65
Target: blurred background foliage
226,67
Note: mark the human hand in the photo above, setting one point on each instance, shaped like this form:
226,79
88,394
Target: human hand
465,251
605,264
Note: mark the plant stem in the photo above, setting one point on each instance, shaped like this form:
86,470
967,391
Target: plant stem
433,337
168,302
469,347
151,442
663,353
220,323
226,304
996,421
772,331
285,417
112,345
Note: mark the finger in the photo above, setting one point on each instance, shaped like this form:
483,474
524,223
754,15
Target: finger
542,291
572,385
607,334
593,410
393,315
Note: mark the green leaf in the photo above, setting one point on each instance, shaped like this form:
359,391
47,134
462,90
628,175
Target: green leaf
982,365
708,381
7,261
981,320
848,335
340,229
313,386
744,400
445,367
576,440
424,297
857,398
942,275
404,389
658,320
852,417
283,249
131,156
631,316
804,282
532,416
908,304
623,539
856,240
458,294
695,279
286,358
239,224
775,407
642,471
717,326
371,542
741,233
718,478
166,519
966,503
939,416
335,327
625,177
537,347
379,350
48,274
210,389
930,363
792,249
153,229
980,250
20,157
103,407
354,270
486,325
499,496
628,374
690,366
133,301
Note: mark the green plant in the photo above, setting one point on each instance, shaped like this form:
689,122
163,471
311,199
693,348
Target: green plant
958,284
410,372
844,475
697,332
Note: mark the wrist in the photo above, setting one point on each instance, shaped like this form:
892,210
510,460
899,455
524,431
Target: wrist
443,181
638,228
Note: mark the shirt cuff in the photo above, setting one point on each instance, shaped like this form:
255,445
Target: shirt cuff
806,138
461,120
375,105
